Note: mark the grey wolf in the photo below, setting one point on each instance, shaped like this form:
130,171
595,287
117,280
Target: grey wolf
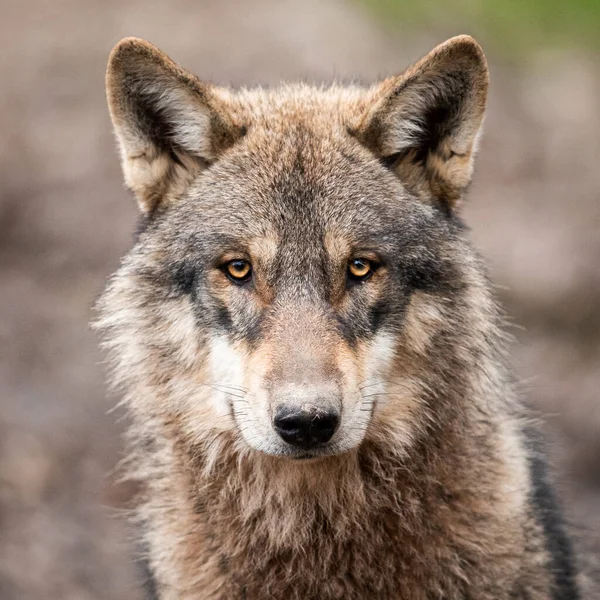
308,346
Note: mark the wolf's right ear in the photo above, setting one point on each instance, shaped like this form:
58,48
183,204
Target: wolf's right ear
424,123
169,125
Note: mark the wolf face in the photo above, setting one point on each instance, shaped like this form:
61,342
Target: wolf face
301,279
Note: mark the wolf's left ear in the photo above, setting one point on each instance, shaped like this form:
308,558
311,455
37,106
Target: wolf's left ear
424,123
168,123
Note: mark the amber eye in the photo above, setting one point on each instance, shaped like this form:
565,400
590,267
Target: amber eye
360,269
238,270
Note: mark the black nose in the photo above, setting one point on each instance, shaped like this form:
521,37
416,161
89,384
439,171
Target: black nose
305,428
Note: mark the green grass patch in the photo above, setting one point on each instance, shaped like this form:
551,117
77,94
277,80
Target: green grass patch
511,26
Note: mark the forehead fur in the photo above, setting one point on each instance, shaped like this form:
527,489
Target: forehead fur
298,166
297,100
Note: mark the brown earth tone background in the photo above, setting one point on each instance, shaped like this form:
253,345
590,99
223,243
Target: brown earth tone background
65,220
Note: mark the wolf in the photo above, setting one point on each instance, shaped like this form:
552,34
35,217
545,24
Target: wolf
308,347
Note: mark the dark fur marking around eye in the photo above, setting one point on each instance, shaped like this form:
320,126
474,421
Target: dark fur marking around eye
378,314
183,277
420,268
252,331
246,328
223,318
348,330
423,276
364,322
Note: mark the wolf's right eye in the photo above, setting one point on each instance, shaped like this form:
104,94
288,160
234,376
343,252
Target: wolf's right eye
238,270
361,269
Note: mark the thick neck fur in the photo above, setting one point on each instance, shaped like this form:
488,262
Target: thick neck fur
374,523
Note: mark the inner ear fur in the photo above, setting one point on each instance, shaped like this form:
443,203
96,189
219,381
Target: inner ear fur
168,123
424,123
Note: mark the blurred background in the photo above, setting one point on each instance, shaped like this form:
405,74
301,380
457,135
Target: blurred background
65,220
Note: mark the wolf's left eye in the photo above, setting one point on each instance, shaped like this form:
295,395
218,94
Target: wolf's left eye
360,269
238,270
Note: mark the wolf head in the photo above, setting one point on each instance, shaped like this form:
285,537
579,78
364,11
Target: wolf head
301,281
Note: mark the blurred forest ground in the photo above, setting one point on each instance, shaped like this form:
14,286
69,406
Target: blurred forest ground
65,220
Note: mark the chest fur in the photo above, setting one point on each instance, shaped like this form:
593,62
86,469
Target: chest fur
372,533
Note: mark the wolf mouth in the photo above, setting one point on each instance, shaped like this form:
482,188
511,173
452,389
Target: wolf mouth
309,455
305,456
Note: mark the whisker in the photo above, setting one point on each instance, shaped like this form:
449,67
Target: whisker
374,395
368,385
217,387
226,386
230,394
